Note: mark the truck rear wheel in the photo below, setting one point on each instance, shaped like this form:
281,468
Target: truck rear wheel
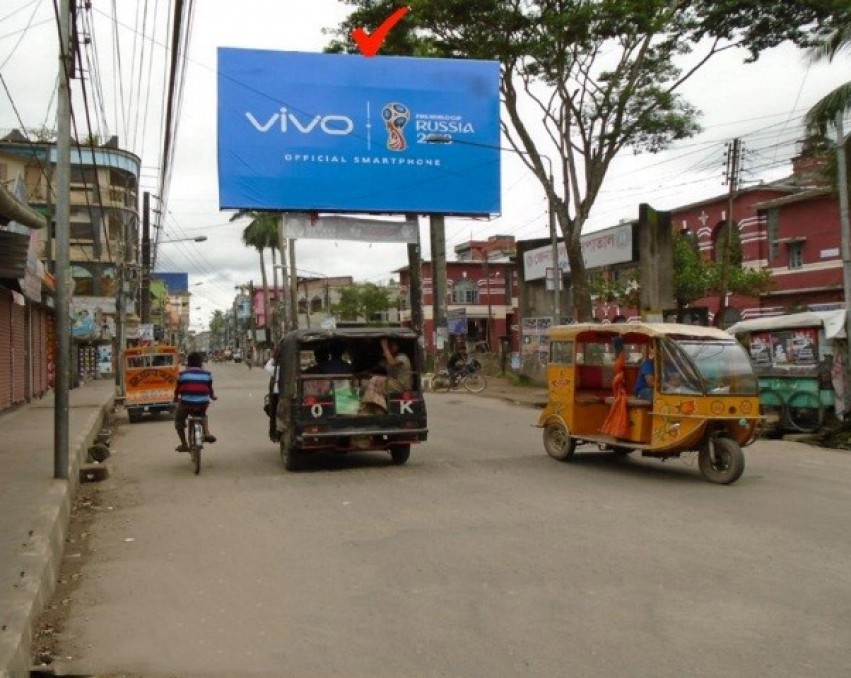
400,454
293,459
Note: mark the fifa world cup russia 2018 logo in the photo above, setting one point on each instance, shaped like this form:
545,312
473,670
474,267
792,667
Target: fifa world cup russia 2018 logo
396,116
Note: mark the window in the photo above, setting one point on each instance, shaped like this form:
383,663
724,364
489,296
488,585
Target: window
796,255
465,292
773,221
81,231
561,352
83,175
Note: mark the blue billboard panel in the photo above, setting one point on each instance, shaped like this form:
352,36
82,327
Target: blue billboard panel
343,133
176,283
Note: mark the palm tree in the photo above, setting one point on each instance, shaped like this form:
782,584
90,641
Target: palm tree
262,232
838,101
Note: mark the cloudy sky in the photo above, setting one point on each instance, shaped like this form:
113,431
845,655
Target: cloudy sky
762,103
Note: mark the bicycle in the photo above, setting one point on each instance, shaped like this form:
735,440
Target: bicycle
195,424
470,376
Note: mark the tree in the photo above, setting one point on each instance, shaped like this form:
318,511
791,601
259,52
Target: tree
602,76
838,101
261,233
218,329
696,277
362,302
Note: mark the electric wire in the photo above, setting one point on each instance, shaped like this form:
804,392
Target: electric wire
22,36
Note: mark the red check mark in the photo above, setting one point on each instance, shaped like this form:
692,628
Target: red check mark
369,44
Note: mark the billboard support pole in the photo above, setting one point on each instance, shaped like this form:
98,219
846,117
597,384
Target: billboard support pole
416,282
438,275
293,285
283,302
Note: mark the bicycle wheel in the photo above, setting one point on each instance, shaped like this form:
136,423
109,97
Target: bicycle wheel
772,407
804,412
475,383
441,383
196,444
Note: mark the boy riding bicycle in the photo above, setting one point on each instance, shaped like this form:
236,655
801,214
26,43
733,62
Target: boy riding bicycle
193,393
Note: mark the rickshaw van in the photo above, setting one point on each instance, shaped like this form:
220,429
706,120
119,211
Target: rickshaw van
150,375
799,360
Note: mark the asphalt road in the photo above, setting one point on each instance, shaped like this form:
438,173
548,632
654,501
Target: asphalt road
480,557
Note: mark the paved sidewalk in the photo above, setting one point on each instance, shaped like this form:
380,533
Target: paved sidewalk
35,508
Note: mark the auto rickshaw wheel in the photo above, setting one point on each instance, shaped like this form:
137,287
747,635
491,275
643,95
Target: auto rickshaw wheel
558,443
400,454
721,461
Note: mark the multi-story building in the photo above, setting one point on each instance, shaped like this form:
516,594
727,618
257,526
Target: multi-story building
103,231
790,227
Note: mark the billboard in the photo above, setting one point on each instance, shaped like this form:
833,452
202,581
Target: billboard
176,283
341,133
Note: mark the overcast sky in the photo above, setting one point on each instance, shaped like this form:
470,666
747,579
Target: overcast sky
762,103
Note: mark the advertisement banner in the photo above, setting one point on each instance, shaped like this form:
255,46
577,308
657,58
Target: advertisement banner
300,226
602,248
341,133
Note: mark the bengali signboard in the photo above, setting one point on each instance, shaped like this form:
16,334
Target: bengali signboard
301,226
602,248
341,133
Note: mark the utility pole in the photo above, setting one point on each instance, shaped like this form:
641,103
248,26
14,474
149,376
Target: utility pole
293,285
490,304
145,301
252,321
285,296
734,158
415,290
61,409
845,231
438,278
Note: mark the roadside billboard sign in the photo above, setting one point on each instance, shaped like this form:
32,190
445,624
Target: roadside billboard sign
340,133
601,248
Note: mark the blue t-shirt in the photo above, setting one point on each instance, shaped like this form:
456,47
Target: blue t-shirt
194,387
646,370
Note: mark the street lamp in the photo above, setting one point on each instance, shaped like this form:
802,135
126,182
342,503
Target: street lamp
197,238
449,139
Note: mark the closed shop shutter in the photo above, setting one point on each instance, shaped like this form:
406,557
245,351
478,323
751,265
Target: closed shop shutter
44,316
39,353
5,348
21,352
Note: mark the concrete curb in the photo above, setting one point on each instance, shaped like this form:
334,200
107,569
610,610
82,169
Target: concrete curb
40,557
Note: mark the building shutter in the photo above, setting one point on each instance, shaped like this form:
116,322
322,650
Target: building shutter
5,348
39,350
21,352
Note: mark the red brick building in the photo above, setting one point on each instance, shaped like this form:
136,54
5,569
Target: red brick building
790,227
481,291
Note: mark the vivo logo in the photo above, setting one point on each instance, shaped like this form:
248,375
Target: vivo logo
330,124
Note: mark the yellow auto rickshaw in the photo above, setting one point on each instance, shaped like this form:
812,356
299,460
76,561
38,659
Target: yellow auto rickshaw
150,375
658,388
